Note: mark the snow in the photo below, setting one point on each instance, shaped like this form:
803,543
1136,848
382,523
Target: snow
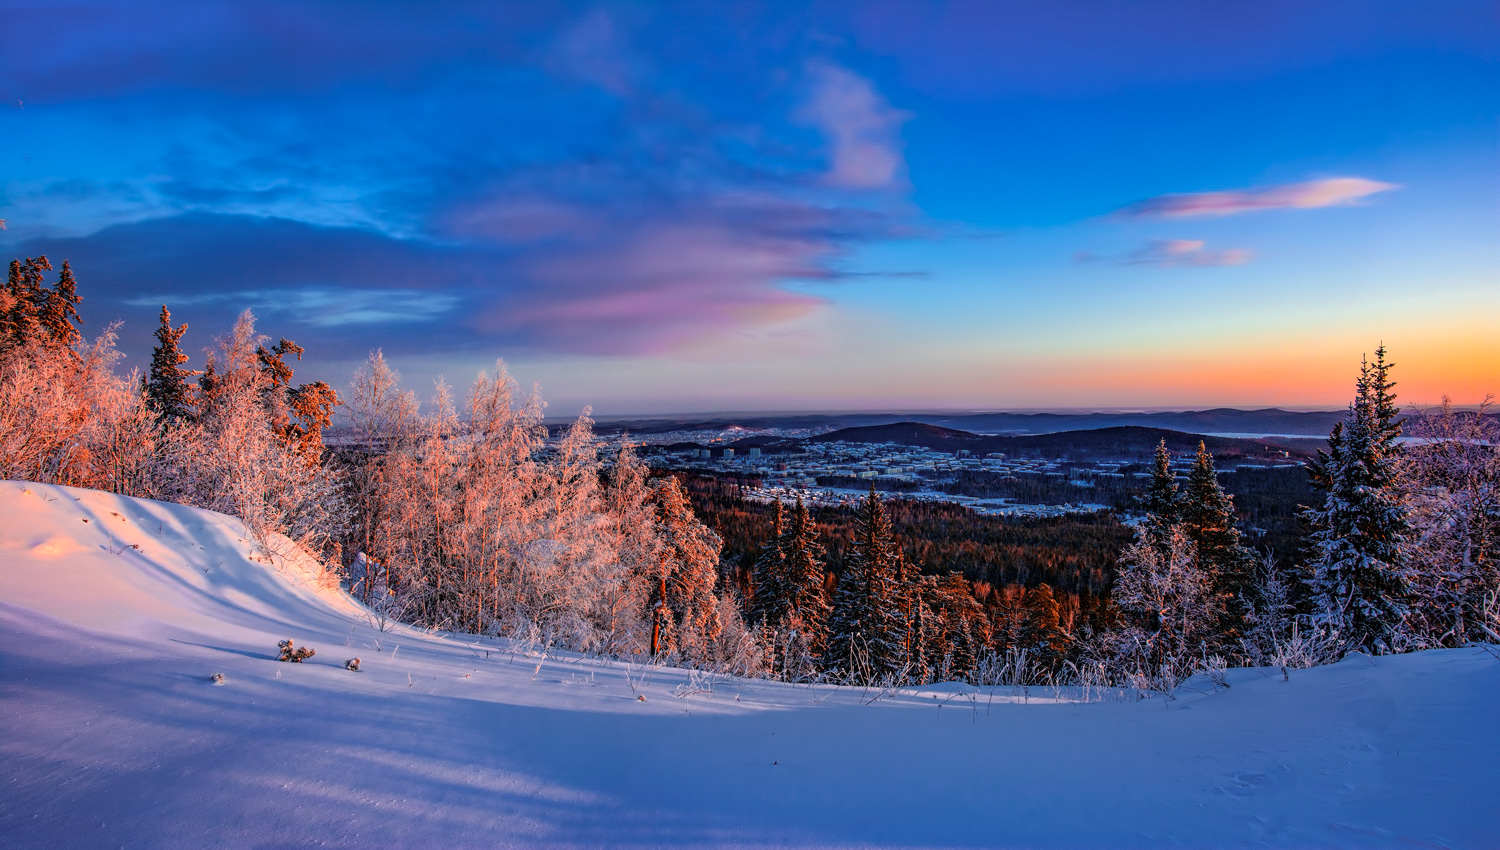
113,734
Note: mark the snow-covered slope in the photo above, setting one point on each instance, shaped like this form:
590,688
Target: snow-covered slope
114,612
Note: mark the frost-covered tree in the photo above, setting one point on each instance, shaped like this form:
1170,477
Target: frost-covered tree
684,575
66,417
1355,573
1451,478
232,459
622,605
1169,604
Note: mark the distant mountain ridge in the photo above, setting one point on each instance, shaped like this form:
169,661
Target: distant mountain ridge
1214,421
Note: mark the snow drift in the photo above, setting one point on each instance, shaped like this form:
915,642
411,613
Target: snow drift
115,612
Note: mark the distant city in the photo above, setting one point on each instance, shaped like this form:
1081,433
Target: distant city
838,473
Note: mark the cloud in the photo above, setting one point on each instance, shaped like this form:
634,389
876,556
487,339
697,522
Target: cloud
1329,192
1167,253
323,308
862,129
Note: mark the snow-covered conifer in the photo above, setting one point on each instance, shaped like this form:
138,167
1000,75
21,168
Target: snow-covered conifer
1161,501
167,390
1354,569
866,627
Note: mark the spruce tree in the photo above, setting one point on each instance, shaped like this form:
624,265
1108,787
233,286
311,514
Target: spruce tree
58,311
1354,568
770,573
1161,501
34,315
802,596
1208,518
1042,634
24,291
167,390
866,630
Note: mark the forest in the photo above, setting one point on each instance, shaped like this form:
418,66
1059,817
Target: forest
463,513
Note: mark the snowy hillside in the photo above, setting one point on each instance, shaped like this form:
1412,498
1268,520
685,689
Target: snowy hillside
115,612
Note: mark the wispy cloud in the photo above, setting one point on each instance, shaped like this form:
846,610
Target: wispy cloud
863,130
1329,192
1167,253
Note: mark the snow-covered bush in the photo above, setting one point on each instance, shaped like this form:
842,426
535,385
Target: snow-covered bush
292,652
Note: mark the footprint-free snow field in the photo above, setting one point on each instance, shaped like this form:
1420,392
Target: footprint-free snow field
116,612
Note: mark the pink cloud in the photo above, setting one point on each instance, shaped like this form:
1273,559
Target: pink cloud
1167,253
665,285
862,129
1329,192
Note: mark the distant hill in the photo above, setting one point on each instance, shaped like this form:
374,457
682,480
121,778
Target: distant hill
908,434
1129,442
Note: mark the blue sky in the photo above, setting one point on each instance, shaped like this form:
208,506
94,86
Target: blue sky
656,207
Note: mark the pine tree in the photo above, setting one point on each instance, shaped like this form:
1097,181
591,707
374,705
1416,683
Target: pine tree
866,630
906,597
959,624
1042,633
167,390
1354,569
1161,501
25,294
1208,519
58,311
34,315
312,406
802,596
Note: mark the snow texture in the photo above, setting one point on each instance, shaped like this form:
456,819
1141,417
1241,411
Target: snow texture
116,612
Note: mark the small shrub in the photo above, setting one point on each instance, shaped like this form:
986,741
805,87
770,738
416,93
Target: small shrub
217,678
352,664
291,652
